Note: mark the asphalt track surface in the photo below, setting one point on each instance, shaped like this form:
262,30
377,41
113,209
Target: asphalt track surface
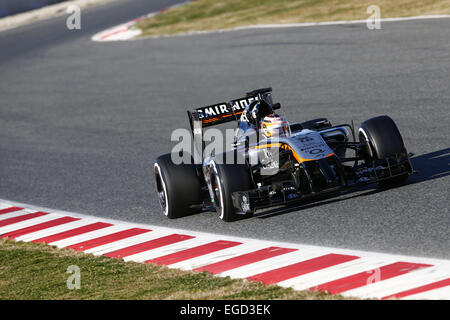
82,122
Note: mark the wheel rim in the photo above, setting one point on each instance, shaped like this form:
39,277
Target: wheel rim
217,193
161,189
162,200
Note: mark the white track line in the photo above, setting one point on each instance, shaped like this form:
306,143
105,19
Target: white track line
335,272
221,255
28,223
86,236
14,214
130,31
4,206
293,25
127,242
271,264
436,294
55,230
168,249
410,280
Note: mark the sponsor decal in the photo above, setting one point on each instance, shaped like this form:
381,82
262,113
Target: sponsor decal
224,108
312,146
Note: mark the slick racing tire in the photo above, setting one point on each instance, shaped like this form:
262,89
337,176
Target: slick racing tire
226,179
383,142
178,187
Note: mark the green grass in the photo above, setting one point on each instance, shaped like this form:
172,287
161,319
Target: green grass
201,15
37,271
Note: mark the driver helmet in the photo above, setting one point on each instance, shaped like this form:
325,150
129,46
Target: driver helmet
274,125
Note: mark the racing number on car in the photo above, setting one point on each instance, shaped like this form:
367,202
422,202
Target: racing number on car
312,146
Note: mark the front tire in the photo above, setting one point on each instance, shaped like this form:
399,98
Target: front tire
178,187
383,144
226,179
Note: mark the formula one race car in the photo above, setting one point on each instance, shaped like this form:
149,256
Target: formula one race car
272,162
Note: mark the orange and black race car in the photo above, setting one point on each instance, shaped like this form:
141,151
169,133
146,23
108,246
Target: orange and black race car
273,162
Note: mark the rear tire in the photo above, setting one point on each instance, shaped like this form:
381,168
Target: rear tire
383,142
226,179
178,187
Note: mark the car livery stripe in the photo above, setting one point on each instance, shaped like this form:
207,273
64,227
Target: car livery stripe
220,117
348,272
286,146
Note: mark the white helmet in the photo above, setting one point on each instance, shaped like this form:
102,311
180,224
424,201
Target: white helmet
274,125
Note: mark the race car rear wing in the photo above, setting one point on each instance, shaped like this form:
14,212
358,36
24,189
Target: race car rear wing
219,113
229,111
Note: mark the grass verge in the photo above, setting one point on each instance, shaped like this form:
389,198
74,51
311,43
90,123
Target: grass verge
201,15
37,271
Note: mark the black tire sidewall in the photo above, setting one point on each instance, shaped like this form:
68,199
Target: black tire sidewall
382,136
231,178
182,187
383,140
